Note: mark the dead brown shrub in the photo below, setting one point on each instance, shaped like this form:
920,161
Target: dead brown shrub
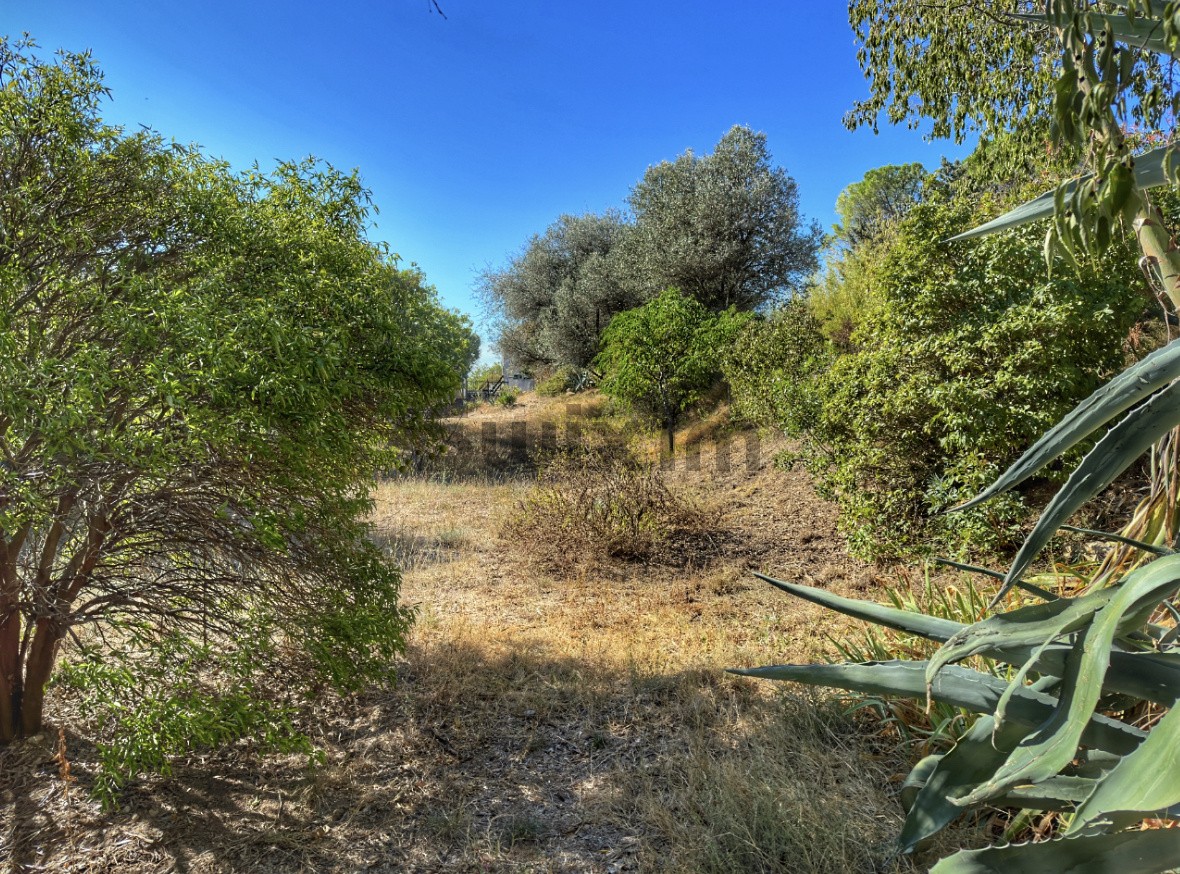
603,504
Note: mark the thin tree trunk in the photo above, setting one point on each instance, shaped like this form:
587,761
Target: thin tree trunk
38,668
10,674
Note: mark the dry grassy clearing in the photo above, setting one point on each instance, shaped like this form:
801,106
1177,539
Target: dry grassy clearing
546,718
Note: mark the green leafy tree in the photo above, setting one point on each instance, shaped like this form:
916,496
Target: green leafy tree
659,357
200,372
724,228
965,65
881,198
553,300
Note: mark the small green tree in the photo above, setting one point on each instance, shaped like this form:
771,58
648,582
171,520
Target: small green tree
659,357
200,372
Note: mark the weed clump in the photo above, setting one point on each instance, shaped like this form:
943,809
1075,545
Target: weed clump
601,504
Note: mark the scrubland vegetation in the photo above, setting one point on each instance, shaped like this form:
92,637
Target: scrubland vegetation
302,614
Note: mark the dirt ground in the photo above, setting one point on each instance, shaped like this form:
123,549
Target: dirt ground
541,721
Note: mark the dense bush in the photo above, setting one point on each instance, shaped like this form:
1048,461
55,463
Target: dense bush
772,368
202,370
563,379
923,366
972,354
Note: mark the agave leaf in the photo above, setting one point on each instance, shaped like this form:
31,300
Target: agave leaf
1146,781
1054,744
933,790
975,569
1149,675
1137,382
1150,172
954,685
1141,33
1118,538
900,620
1057,793
1144,852
1035,625
1113,454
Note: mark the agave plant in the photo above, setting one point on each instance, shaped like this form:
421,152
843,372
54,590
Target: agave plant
1044,740
1076,726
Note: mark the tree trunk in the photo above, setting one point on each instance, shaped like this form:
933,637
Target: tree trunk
38,667
10,676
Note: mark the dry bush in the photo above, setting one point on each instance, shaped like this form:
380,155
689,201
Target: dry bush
601,504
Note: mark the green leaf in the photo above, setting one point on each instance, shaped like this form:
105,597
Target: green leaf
974,758
1035,626
1133,385
1112,455
1144,782
1054,744
954,685
1150,172
931,627
1149,675
1144,852
1140,33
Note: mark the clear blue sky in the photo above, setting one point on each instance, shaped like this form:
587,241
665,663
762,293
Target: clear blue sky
476,131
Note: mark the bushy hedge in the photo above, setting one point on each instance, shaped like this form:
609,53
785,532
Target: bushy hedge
968,352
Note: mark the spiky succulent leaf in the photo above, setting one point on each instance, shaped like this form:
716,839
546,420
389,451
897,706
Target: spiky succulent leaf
1147,780
1150,171
1142,852
1054,744
1133,385
1112,455
954,685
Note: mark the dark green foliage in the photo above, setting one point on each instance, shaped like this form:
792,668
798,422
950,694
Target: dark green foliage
880,199
972,352
200,372
563,379
660,357
773,366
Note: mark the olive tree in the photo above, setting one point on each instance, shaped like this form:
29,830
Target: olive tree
724,227
553,299
200,371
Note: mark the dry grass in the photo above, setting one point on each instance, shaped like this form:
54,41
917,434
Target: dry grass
543,721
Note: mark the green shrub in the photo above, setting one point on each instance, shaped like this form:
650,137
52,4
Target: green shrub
965,354
152,704
772,369
563,379
508,397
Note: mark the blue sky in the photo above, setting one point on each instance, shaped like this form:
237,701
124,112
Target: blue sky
476,131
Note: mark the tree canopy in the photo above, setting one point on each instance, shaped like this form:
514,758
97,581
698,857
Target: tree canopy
660,357
200,371
724,228
969,66
555,297
883,196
